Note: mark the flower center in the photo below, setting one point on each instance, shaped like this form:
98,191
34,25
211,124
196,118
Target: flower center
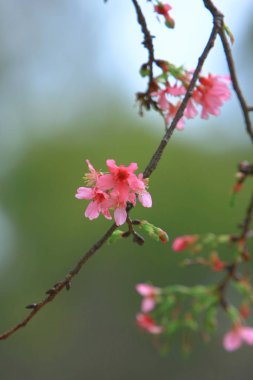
122,174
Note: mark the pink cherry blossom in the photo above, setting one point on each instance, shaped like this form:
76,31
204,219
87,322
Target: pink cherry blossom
161,99
190,110
120,180
175,90
183,242
237,336
113,190
99,203
147,323
172,113
123,184
149,294
211,93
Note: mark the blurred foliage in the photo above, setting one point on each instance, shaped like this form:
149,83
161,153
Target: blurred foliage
89,332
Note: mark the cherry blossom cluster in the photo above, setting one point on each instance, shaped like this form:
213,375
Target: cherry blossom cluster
209,94
113,191
165,311
195,244
166,91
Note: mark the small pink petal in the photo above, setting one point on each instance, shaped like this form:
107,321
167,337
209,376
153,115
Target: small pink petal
84,193
247,335
105,182
145,289
107,214
91,168
111,164
145,199
132,167
147,323
147,304
120,216
232,340
92,211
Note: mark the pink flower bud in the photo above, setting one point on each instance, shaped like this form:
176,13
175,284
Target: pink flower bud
184,242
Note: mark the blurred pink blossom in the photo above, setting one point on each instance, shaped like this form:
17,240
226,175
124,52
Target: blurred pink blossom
211,93
237,336
183,242
149,294
147,323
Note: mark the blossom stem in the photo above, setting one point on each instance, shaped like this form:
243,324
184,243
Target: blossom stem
159,151
229,58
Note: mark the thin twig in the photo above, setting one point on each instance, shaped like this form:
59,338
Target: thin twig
158,153
233,267
243,167
148,42
57,288
248,219
231,65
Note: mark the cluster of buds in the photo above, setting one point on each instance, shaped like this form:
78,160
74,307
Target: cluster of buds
166,91
156,233
165,311
197,245
163,10
113,191
168,310
150,296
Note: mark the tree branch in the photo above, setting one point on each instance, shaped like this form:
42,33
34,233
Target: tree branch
148,42
57,288
246,109
158,153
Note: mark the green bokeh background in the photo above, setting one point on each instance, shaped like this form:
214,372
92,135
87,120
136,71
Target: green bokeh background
89,332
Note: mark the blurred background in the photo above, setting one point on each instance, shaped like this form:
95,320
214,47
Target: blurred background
68,75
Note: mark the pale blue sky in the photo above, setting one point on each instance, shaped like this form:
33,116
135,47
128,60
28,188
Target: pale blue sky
57,54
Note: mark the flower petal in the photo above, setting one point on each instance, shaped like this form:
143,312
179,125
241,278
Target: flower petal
247,335
145,199
120,216
92,211
147,304
105,182
84,193
232,340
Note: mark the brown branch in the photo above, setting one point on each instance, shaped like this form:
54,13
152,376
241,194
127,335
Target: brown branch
247,220
233,267
158,153
246,109
148,42
244,167
57,288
